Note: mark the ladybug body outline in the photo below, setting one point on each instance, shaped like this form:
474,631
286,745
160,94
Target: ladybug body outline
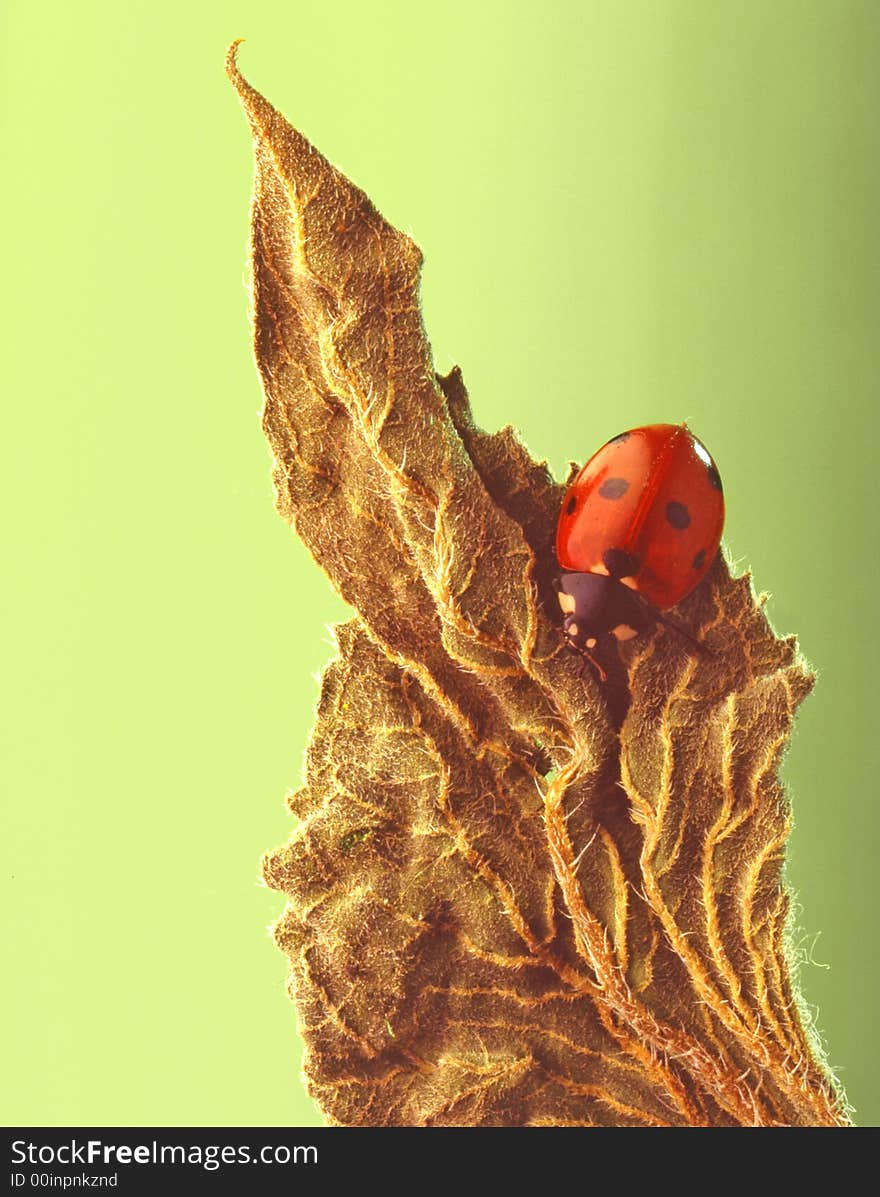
638,530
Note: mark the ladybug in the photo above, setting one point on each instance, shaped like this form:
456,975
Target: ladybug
639,528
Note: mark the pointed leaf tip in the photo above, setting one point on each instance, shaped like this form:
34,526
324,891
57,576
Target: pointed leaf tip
231,64
250,98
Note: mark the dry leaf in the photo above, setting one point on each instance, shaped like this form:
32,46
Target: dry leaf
516,897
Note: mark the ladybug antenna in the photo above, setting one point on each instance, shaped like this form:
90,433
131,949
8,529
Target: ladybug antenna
585,656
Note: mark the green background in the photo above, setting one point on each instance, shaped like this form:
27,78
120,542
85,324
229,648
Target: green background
630,212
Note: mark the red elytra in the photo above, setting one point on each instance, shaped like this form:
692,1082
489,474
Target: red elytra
639,529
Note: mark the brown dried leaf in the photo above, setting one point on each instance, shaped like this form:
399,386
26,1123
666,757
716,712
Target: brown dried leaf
515,897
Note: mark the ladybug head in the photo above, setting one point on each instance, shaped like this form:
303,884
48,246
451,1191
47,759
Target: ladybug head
595,606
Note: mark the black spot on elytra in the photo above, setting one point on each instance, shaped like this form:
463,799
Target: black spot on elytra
570,505
613,488
714,476
700,560
619,563
678,515
618,440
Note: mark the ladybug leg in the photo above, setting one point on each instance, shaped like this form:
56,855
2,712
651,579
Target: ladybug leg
698,645
652,617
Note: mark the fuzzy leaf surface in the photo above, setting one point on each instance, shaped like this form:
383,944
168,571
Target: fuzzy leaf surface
514,896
